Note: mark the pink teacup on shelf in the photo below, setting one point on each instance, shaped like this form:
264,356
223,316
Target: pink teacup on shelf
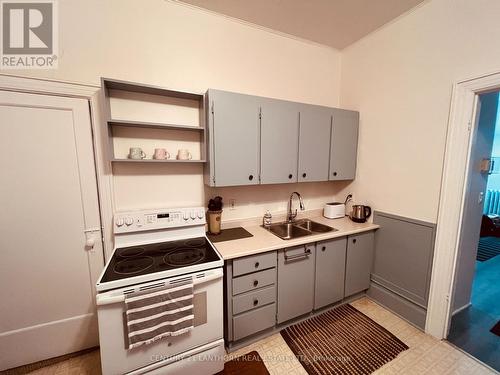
161,154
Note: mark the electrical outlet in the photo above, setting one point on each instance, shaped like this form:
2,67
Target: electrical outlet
232,204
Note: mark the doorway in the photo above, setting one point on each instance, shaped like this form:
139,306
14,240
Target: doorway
476,290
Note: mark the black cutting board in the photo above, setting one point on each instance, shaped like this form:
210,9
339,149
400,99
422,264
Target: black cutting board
229,234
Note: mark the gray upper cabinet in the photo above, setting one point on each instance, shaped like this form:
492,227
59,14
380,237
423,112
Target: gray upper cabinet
279,141
295,282
344,144
314,143
254,140
233,139
330,272
359,260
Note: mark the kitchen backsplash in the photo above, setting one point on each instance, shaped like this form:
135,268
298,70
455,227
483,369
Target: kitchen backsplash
253,201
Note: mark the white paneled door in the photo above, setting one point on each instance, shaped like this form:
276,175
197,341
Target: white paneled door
51,249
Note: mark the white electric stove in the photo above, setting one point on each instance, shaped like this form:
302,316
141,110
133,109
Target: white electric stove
155,248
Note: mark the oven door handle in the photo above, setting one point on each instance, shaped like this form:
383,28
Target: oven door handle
103,299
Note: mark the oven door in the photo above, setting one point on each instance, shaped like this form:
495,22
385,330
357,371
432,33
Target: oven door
208,325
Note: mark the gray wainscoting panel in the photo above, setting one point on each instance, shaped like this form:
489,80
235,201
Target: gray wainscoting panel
402,265
403,256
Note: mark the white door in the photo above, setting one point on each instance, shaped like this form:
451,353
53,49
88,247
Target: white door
48,209
474,201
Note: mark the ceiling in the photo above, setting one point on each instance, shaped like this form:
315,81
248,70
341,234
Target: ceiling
335,23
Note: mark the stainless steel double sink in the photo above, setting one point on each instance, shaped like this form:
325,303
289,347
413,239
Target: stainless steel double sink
300,228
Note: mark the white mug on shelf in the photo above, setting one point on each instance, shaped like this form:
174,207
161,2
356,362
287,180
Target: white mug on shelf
136,153
184,154
161,153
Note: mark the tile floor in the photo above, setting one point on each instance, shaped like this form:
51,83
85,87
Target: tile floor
425,355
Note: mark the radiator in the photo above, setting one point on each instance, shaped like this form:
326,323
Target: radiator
492,203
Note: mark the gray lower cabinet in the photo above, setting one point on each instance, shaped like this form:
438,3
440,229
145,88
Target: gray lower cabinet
359,260
254,263
234,143
265,290
344,144
314,143
250,295
254,321
295,281
279,142
330,272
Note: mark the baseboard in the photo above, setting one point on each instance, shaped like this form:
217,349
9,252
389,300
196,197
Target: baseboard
402,307
461,309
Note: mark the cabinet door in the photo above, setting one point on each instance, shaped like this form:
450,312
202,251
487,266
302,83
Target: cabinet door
330,272
279,141
358,263
235,129
295,282
314,143
344,144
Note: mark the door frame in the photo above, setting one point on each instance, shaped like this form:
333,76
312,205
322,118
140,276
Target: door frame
91,93
461,125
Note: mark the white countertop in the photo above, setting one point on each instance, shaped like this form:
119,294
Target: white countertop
263,240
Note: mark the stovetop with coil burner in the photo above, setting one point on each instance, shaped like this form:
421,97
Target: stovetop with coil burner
157,257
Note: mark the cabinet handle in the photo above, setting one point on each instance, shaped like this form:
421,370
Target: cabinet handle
353,240
323,248
304,175
256,282
304,255
257,264
334,173
290,176
255,302
250,177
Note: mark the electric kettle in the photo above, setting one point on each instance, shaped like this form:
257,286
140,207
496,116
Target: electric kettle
360,213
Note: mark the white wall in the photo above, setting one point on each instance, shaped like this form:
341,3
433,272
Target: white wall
171,45
400,79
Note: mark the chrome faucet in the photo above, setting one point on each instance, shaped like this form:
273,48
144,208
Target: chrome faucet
290,216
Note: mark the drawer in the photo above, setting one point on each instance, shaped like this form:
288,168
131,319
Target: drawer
254,299
254,321
254,263
253,281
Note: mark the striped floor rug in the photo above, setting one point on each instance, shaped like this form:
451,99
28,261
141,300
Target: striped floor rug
487,248
342,341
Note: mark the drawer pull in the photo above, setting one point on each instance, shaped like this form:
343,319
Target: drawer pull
257,264
354,240
323,248
304,255
255,302
256,282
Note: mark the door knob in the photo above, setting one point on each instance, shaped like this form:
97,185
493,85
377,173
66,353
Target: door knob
91,235
90,242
